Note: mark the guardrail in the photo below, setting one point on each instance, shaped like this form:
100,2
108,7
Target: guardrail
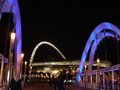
101,86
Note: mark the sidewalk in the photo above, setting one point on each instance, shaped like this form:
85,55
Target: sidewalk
46,86
74,87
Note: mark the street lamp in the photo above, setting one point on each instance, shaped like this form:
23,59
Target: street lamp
21,66
25,70
9,73
1,70
98,68
85,74
30,73
85,67
98,61
12,40
22,55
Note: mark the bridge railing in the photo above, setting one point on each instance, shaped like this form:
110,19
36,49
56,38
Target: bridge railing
104,78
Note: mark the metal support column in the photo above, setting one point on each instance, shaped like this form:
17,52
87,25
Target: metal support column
91,81
103,81
113,79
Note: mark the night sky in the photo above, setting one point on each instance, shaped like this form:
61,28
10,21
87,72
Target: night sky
66,24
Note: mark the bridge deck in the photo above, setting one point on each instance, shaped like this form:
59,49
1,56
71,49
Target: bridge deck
46,86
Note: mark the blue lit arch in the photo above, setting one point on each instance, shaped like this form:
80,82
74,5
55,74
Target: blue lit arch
111,30
11,6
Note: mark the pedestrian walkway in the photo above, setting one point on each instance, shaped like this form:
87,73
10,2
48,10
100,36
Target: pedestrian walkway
46,86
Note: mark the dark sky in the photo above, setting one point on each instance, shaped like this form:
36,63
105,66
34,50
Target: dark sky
66,24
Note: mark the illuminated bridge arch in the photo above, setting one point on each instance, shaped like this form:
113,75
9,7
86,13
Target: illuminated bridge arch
41,43
11,6
103,30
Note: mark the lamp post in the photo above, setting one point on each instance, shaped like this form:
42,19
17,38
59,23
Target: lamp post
73,71
85,74
2,65
11,47
21,66
30,73
25,70
98,68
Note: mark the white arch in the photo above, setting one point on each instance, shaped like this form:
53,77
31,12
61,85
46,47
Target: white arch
41,43
97,31
12,6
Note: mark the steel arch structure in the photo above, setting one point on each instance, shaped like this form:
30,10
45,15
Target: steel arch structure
47,43
96,36
11,6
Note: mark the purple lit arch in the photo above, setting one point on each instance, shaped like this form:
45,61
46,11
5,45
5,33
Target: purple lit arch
11,6
96,36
